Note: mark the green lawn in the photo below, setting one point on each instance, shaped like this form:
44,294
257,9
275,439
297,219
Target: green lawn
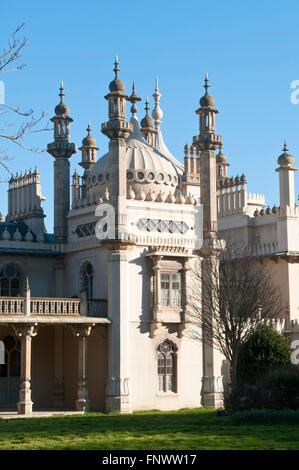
184,429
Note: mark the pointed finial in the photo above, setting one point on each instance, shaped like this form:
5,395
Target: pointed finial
116,68
146,106
88,127
134,98
206,85
61,94
157,112
285,149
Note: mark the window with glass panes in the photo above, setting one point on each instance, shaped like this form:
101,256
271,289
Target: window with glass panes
166,367
10,282
170,289
87,280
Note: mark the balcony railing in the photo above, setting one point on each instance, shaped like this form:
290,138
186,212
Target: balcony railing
53,306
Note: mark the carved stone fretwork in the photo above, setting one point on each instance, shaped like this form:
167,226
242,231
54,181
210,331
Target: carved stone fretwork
213,391
25,332
185,270
82,331
117,390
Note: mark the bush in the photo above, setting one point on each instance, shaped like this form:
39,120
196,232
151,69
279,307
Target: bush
265,349
283,386
246,397
266,417
278,390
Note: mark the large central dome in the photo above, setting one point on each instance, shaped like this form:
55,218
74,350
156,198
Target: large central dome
148,169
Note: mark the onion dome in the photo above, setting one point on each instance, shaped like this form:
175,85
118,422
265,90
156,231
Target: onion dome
61,109
285,159
221,158
206,100
147,122
89,141
262,211
116,84
268,211
256,213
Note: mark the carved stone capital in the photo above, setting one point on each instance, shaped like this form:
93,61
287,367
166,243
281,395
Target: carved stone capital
82,330
25,329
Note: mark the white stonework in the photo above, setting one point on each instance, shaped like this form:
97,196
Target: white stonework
91,322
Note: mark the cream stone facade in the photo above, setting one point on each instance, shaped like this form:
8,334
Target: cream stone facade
93,316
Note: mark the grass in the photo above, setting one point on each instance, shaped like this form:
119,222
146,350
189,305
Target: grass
184,429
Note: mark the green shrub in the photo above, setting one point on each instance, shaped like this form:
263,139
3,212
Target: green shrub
283,386
265,417
265,349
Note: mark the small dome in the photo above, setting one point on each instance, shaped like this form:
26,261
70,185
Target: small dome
147,122
61,109
285,159
206,100
89,141
116,84
221,158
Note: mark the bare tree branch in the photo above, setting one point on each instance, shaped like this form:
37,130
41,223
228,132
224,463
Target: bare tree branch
228,297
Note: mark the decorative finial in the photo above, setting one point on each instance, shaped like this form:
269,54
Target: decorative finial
134,99
61,94
157,112
206,85
116,68
88,127
285,149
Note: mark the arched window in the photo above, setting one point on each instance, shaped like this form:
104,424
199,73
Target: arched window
167,367
10,371
87,280
10,281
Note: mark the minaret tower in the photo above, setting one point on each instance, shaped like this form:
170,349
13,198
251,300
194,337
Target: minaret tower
61,149
88,157
286,178
117,129
206,142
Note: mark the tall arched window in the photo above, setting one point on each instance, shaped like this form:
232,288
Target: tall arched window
10,281
167,367
10,372
87,280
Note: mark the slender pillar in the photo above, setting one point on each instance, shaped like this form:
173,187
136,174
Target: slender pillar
58,392
82,331
157,293
26,332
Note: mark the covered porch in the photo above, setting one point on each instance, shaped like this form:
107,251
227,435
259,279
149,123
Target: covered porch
55,355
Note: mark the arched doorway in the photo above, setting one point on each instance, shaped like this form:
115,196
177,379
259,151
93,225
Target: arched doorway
10,372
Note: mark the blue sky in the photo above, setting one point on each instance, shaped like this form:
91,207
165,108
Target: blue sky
249,49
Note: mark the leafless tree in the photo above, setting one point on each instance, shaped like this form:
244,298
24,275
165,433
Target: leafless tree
227,298
10,132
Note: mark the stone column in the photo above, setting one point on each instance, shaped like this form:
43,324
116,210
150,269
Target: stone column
157,293
58,393
82,332
25,332
117,392
212,358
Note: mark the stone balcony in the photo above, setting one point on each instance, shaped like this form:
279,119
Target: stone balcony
53,310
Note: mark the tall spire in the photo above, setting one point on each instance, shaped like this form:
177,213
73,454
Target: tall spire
157,112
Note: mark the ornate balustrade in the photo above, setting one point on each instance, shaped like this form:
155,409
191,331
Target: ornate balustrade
52,306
